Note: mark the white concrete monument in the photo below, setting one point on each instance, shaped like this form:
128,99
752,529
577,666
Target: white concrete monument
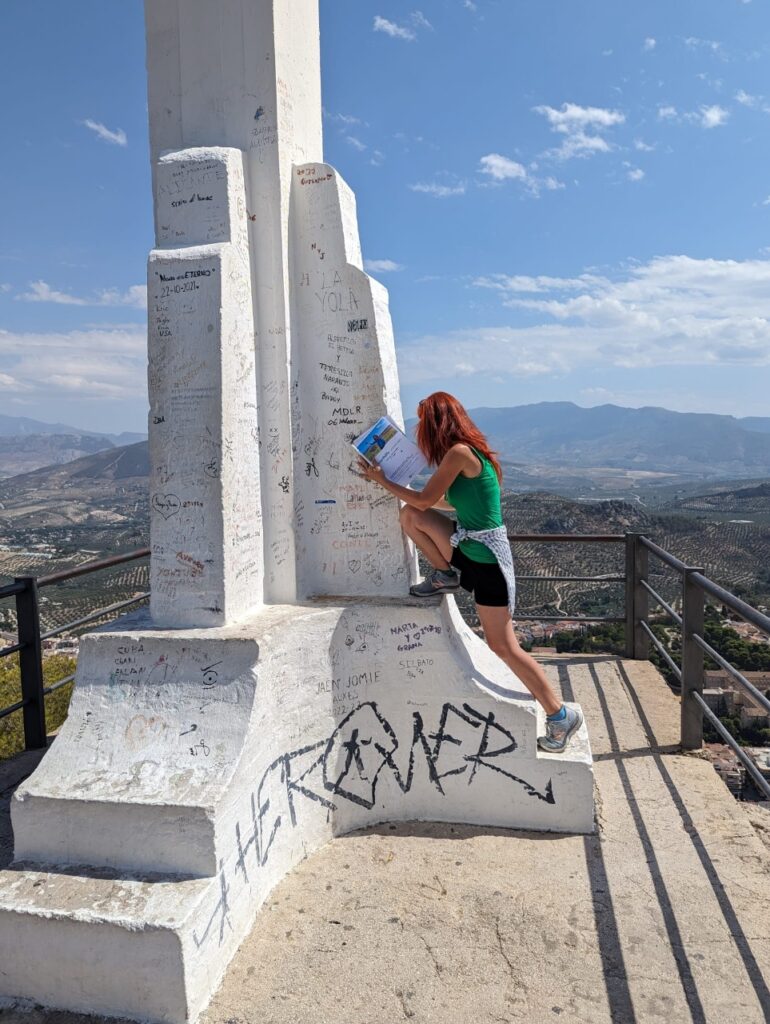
282,689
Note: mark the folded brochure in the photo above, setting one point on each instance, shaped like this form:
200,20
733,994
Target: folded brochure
387,446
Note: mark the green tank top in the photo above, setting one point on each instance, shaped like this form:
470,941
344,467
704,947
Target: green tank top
477,502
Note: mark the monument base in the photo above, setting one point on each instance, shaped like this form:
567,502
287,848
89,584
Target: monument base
197,767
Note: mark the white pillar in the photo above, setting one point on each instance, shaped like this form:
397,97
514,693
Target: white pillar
350,542
205,518
247,74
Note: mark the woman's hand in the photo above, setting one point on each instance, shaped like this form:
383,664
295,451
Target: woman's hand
372,473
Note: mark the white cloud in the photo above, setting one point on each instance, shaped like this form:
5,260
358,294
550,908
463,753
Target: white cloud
420,21
715,83
673,310
531,285
41,292
694,43
346,119
135,297
635,174
438,190
642,146
746,99
378,158
355,143
381,266
85,364
766,202
469,5
117,138
5,288
501,168
753,102
582,128
393,30
9,383
550,183
711,117
571,116
706,116
649,44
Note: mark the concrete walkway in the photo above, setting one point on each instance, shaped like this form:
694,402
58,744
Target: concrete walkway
663,915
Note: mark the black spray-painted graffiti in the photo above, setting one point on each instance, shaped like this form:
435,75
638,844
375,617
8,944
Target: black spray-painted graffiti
348,767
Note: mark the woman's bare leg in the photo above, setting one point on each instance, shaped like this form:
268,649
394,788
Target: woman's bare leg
498,630
431,532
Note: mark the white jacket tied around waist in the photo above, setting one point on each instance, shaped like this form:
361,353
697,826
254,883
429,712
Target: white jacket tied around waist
497,542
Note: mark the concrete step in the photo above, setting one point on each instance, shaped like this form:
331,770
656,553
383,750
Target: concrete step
155,730
100,944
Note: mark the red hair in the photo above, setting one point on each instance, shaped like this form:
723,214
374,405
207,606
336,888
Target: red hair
443,422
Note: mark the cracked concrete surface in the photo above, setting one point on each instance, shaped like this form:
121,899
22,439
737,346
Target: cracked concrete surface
661,916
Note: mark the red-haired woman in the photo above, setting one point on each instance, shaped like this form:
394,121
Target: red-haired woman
472,553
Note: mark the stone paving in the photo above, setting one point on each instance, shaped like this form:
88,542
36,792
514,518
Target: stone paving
664,914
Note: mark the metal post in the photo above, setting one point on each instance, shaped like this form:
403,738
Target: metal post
693,603
630,562
31,664
637,601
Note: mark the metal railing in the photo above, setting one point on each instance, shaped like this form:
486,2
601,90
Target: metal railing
30,638
570,538
695,588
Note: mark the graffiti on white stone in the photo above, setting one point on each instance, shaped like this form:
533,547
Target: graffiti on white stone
351,764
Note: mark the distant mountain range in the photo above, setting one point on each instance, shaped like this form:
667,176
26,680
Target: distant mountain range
27,444
758,423
643,440
18,426
548,445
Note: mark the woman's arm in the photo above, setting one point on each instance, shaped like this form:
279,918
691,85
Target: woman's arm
455,460
443,505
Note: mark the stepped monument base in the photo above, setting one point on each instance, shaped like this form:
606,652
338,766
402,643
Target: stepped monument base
197,767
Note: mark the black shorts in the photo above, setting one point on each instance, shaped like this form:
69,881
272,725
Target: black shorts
484,580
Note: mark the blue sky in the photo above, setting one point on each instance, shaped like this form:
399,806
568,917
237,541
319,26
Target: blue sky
568,200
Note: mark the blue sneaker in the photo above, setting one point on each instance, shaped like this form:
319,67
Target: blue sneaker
442,581
557,734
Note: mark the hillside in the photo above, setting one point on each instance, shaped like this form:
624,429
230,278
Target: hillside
27,444
108,483
60,515
758,423
742,501
27,452
734,554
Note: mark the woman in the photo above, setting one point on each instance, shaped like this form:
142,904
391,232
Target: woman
467,482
